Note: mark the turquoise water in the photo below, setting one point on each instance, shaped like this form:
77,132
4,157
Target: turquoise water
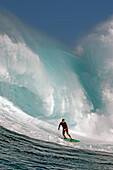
41,82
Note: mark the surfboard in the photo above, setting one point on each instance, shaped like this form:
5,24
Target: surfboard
74,140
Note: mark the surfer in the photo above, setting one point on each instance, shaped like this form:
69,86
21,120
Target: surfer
65,129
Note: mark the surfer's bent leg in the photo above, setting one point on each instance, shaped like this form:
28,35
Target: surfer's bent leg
68,133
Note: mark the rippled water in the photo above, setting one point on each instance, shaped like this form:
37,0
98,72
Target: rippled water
21,152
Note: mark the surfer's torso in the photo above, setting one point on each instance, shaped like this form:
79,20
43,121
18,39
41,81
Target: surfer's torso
64,125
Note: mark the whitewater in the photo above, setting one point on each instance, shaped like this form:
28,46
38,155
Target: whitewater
41,82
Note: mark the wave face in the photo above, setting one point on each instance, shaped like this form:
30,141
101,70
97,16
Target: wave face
41,82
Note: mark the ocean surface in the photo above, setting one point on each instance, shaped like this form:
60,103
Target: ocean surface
21,152
41,82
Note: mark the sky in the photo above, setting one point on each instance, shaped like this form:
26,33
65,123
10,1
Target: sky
64,20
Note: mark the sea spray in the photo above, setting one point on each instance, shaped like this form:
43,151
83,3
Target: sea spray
44,80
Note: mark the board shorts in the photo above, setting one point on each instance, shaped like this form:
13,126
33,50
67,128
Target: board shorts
65,131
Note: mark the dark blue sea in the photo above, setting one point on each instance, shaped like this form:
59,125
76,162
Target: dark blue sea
21,152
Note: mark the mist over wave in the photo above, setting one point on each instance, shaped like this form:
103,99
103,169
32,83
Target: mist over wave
97,52
41,82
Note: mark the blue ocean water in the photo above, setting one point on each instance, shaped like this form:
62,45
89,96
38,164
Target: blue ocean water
41,82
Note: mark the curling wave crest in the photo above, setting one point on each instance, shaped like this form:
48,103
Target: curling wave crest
42,82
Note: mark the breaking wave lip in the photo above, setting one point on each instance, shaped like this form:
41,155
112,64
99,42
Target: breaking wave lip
41,82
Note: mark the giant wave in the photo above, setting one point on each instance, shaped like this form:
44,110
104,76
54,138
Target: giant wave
42,82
